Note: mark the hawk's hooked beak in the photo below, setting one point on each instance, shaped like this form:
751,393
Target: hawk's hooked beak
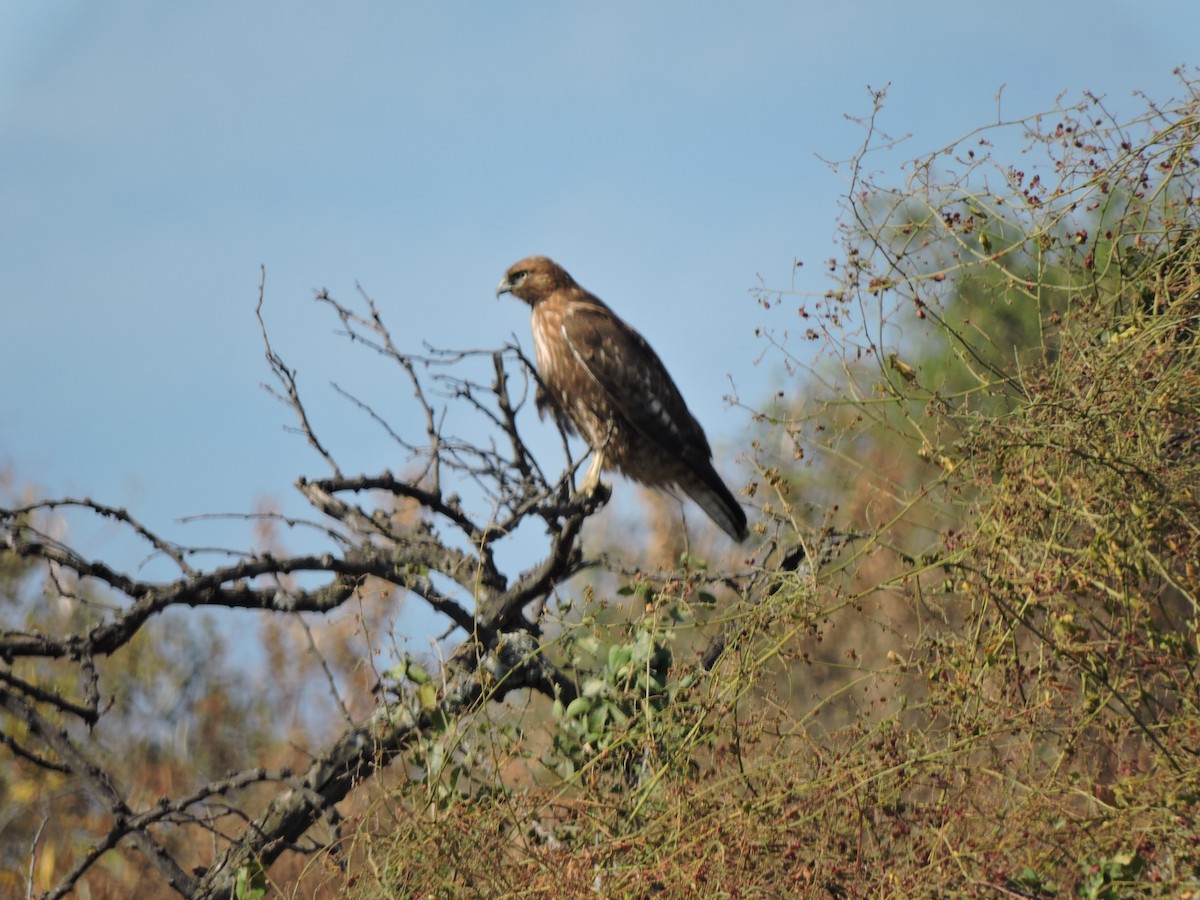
503,287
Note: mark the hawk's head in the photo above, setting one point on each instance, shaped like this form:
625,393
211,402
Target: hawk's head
533,279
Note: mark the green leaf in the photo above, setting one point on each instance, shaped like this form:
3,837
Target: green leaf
579,707
598,718
619,656
251,882
427,696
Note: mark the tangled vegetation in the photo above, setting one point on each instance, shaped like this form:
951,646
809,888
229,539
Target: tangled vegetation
988,685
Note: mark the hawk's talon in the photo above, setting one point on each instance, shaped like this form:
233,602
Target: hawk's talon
598,493
592,498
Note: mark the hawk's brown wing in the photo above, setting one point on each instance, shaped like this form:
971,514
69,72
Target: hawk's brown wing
633,382
625,367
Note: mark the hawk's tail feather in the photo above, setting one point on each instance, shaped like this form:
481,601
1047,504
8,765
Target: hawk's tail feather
711,495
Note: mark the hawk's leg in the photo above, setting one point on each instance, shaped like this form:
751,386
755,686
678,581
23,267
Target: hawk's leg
592,488
591,480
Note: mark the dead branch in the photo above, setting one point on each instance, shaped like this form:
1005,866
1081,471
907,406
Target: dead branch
399,530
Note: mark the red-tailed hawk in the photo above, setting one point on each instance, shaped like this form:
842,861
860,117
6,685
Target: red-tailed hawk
605,380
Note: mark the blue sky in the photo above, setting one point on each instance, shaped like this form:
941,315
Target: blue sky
153,156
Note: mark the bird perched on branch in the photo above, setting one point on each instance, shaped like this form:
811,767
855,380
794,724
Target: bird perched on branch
603,380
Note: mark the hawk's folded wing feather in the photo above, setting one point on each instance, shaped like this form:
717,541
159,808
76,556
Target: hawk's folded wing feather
636,383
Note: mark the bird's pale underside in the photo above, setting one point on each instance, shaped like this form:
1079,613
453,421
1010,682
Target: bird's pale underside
604,381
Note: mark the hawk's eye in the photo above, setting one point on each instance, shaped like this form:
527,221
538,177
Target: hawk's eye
518,277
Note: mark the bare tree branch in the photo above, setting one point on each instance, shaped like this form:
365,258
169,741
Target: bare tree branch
287,379
100,785
514,661
401,531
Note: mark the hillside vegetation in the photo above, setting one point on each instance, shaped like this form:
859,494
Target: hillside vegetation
969,665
